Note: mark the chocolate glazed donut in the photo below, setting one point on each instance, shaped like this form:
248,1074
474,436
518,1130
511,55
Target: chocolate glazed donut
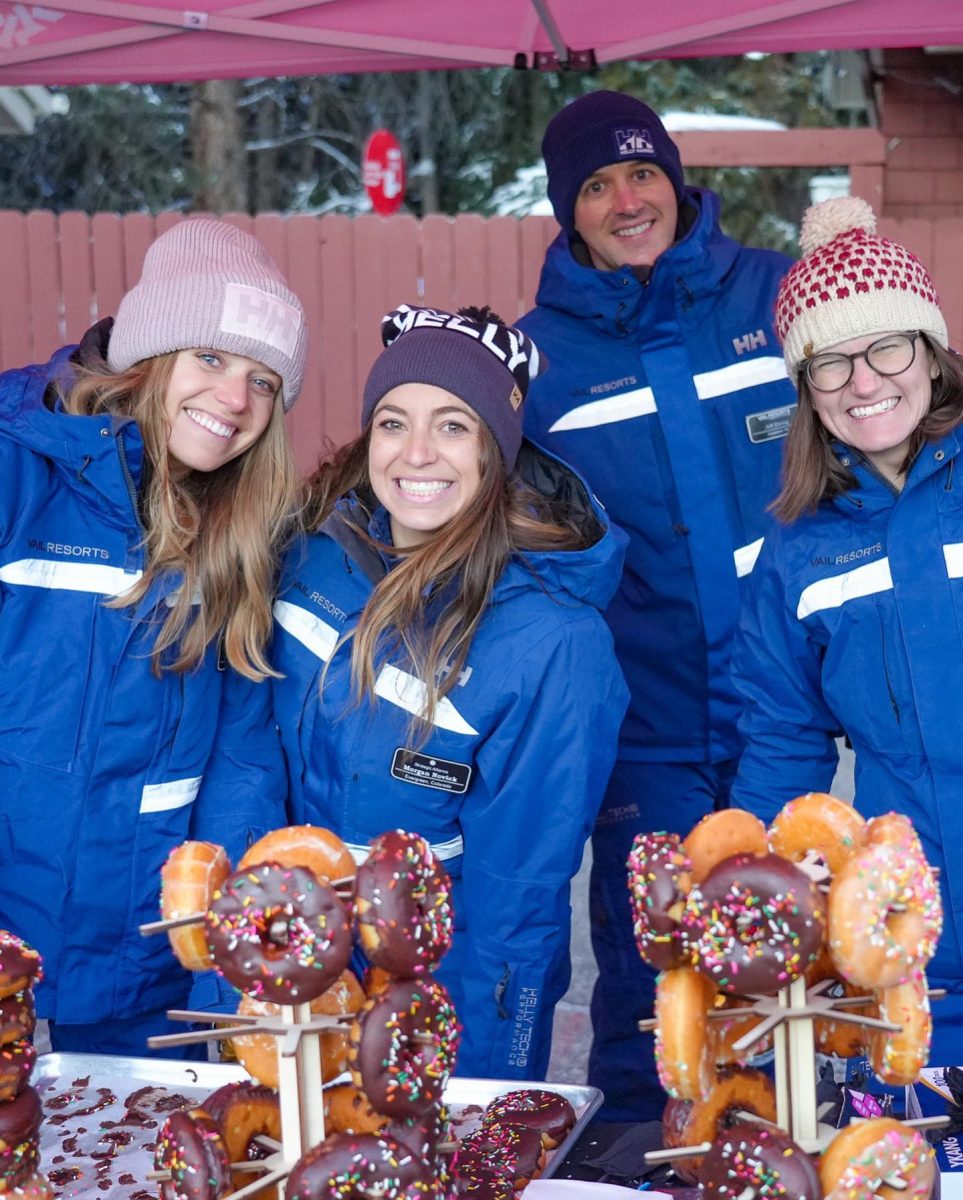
758,1164
351,1166
660,875
278,934
20,965
402,905
190,1147
547,1112
403,1046
19,1138
754,924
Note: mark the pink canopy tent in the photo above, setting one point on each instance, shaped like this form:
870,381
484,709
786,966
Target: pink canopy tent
105,41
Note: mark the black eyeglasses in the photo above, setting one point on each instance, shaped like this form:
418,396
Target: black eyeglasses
890,355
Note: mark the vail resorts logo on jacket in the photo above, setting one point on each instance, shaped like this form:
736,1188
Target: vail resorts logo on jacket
633,142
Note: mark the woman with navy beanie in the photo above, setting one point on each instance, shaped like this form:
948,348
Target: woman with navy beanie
145,483
445,667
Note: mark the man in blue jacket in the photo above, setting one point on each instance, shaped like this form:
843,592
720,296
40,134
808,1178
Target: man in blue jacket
666,388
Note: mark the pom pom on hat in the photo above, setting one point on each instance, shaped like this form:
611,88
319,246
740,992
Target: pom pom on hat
851,282
473,354
207,284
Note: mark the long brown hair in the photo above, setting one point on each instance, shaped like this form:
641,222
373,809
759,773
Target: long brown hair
811,472
220,530
459,564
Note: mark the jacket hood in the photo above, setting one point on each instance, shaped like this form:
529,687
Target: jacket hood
588,576
101,457
697,263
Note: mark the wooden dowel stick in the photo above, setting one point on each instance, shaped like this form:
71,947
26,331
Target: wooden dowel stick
309,1073
289,1098
259,1185
657,1156
170,923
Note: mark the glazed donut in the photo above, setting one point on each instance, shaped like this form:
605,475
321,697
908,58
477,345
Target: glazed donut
320,850
754,924
257,1052
278,933
684,1050
19,1138
20,964
375,980
548,1112
190,1147
515,1149
242,1111
18,1016
897,1057
862,1155
754,1161
349,1166
871,944
660,876
403,1046
402,905
16,1063
817,822
348,1110
691,1122
721,834
191,875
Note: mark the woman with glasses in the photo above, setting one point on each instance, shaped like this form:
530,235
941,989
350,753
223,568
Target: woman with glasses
855,619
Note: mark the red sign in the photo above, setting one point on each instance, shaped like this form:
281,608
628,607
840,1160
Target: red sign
383,172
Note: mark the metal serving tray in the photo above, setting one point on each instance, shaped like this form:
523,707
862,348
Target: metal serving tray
102,1114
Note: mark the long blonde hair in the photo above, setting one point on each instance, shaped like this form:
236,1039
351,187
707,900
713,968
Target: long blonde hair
429,606
220,531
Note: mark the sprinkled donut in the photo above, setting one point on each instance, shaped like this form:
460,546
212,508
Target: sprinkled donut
18,1016
547,1112
514,1149
19,1138
16,1063
478,1181
660,875
885,914
190,1147
864,1154
692,1122
755,923
189,878
20,965
752,1162
349,1166
278,933
402,905
721,834
311,846
403,1046
684,1049
817,822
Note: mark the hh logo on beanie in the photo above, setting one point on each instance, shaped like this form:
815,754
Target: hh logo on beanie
630,143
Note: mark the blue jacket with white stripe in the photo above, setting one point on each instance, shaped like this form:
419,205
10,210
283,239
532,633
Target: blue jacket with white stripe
507,787
670,396
855,624
101,763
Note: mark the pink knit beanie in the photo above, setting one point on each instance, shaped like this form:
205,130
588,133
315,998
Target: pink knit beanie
208,284
851,282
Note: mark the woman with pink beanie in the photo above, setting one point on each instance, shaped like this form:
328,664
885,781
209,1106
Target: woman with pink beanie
145,480
855,618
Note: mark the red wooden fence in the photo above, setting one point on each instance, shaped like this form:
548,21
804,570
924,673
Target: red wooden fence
59,274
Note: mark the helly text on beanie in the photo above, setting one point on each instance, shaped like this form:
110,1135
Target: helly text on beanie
594,131
851,282
207,284
471,354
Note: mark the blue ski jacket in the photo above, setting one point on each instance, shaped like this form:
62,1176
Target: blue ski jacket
508,785
103,766
855,624
670,396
